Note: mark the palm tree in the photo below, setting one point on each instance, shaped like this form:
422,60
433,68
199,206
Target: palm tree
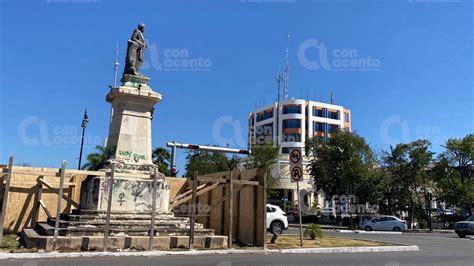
162,158
97,160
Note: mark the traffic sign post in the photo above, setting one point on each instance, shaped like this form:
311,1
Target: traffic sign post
296,172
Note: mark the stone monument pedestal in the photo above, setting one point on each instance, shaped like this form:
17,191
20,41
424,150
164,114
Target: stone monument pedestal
130,144
128,195
130,129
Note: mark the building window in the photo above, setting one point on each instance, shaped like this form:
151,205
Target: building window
317,126
332,128
333,115
292,123
346,117
292,137
265,115
318,112
292,109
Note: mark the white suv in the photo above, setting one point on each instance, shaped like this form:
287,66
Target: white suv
276,219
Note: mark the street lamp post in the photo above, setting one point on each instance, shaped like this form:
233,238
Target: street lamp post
85,120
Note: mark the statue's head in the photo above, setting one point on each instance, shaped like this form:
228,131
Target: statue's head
141,27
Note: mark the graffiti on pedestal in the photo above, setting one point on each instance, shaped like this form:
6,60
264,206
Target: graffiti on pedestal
130,156
134,194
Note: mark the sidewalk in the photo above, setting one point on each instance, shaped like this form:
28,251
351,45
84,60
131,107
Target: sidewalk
323,226
51,255
439,231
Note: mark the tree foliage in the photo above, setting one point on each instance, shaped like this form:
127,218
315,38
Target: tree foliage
340,163
408,169
162,158
265,156
204,162
97,160
453,172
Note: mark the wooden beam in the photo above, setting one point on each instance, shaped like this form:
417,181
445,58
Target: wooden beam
48,185
202,191
109,206
45,209
231,205
153,210
193,211
186,193
58,208
5,196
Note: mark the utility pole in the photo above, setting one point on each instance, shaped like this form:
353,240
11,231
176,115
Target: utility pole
279,78
85,120
285,84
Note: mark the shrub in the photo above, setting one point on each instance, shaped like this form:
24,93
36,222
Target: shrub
313,231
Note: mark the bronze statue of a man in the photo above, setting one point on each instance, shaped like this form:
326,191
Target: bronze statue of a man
135,52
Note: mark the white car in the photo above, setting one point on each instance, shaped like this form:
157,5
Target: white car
384,223
328,212
276,219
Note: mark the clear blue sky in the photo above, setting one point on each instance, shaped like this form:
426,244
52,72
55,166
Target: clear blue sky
57,59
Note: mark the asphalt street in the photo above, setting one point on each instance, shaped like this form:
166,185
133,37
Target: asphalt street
435,249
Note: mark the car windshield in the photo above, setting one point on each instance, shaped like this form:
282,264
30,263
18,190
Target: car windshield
471,219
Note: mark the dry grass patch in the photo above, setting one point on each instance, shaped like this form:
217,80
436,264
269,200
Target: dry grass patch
293,241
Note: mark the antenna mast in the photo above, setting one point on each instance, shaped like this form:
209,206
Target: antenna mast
285,84
331,98
116,65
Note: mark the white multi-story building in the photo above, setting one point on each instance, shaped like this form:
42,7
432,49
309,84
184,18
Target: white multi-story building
289,124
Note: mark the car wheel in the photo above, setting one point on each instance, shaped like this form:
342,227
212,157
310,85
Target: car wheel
397,229
461,235
276,227
368,228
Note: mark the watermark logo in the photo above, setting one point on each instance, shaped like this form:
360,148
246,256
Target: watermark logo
394,130
35,132
175,59
200,210
341,205
237,130
334,59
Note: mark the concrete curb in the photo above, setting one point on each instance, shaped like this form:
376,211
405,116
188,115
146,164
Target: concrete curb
369,232
52,255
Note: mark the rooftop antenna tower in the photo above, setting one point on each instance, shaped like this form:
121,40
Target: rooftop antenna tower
285,80
331,97
116,66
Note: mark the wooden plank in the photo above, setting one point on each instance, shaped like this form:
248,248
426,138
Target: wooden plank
58,209
36,204
109,206
45,209
5,196
260,219
246,182
48,185
231,206
210,179
193,211
70,172
202,191
153,210
180,196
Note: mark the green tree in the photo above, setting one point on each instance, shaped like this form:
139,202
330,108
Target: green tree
97,160
265,156
205,162
408,166
338,165
162,159
453,172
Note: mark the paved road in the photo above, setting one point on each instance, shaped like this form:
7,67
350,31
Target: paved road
435,249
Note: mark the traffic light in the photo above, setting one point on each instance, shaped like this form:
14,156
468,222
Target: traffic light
244,152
